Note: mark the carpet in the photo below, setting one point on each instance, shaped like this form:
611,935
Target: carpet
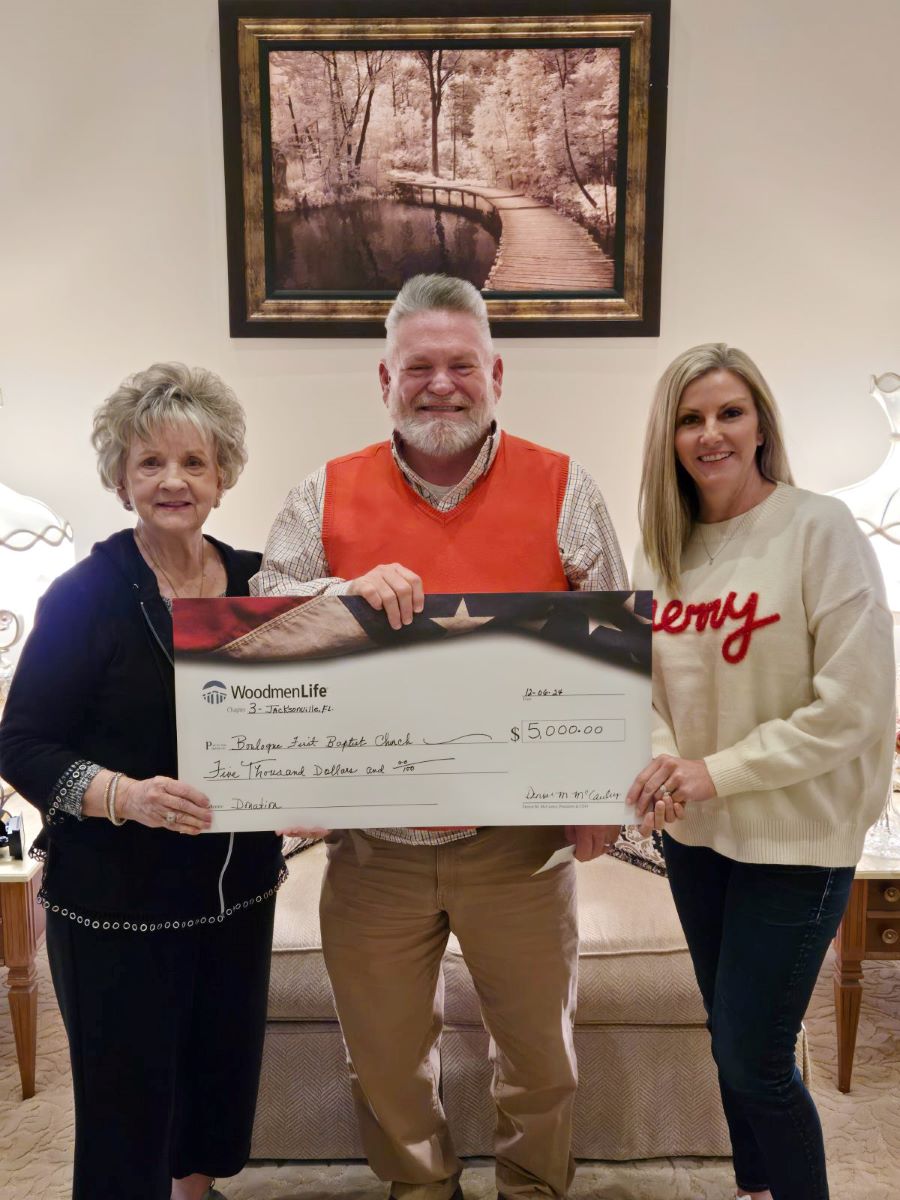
862,1129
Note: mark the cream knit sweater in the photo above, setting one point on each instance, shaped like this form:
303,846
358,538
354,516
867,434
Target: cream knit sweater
775,665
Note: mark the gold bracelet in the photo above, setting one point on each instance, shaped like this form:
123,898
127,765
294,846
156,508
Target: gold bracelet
109,784
111,790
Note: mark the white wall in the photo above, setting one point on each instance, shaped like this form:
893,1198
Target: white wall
781,235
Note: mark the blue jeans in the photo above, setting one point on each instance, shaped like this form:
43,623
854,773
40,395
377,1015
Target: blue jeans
757,936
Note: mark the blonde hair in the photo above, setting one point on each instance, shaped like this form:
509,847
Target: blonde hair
668,502
164,394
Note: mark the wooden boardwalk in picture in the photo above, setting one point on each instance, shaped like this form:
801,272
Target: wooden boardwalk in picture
540,249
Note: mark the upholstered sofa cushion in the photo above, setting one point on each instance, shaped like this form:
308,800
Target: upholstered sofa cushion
298,987
634,967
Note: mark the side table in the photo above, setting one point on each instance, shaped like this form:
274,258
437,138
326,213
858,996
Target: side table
21,928
870,929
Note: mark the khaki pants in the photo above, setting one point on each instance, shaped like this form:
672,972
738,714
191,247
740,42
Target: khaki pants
386,914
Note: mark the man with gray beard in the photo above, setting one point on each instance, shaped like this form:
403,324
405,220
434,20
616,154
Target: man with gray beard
450,504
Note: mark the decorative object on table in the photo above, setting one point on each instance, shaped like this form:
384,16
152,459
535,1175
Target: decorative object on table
883,839
875,502
22,921
36,545
523,150
12,828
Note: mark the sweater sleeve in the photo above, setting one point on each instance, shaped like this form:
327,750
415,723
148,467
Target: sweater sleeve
853,681
59,670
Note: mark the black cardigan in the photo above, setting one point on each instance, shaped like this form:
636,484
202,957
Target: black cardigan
95,682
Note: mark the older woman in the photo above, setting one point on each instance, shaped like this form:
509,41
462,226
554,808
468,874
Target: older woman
158,939
774,699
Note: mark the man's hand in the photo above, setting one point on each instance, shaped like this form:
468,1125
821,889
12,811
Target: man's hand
393,588
661,791
591,841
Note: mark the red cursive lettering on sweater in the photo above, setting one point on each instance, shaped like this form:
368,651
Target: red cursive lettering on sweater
677,617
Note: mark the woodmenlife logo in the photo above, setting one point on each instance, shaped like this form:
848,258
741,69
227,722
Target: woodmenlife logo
214,692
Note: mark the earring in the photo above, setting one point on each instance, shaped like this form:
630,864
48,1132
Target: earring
127,505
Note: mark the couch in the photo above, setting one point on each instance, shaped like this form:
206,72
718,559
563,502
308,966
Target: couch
647,1083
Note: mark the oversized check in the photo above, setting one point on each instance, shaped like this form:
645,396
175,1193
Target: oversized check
489,709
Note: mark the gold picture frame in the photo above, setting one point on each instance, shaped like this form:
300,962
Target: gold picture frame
637,33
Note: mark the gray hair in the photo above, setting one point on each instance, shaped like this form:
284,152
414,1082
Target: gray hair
165,394
668,502
429,293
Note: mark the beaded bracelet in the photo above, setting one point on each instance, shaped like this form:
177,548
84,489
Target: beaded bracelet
111,789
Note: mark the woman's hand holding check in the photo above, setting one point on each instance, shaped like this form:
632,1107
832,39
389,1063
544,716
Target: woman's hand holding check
666,785
163,803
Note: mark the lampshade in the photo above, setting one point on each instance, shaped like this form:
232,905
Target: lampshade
36,545
875,501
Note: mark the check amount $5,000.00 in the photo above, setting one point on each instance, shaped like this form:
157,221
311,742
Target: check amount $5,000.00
560,730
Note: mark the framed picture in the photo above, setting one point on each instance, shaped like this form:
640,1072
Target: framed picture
519,144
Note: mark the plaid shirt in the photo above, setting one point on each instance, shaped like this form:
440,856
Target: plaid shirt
294,563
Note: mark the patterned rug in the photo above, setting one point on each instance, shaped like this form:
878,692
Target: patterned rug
862,1129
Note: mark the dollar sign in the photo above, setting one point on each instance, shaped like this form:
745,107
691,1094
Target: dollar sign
514,733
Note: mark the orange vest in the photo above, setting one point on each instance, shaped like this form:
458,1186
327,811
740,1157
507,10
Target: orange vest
500,538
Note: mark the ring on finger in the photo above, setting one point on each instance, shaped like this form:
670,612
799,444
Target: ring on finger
171,817
665,793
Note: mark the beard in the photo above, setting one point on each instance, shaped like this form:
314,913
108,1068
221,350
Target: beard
439,435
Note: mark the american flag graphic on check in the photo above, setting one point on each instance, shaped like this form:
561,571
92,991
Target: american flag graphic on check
611,626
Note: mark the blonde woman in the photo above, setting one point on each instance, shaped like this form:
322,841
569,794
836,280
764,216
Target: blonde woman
773,689
158,939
